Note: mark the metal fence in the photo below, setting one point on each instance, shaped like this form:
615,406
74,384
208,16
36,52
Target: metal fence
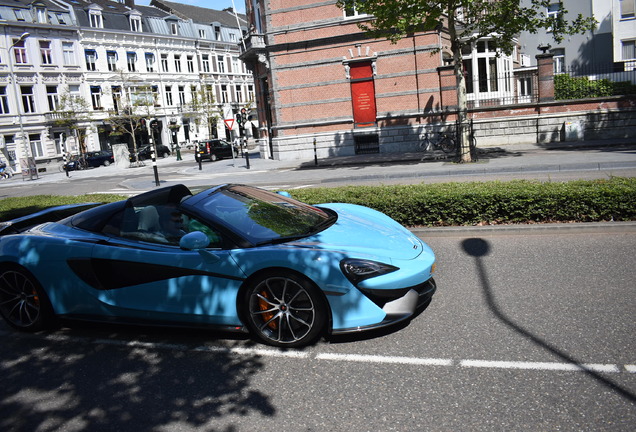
520,86
582,82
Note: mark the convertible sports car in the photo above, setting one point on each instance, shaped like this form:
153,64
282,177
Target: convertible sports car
233,256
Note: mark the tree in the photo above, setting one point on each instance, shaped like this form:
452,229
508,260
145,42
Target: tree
134,107
465,21
204,105
73,113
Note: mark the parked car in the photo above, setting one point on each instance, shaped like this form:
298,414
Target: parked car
98,158
232,257
145,152
213,150
74,162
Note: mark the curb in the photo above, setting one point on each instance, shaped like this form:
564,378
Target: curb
528,229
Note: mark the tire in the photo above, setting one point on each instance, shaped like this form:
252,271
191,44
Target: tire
106,162
23,303
284,310
448,145
213,157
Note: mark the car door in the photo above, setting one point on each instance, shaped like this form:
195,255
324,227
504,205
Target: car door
144,280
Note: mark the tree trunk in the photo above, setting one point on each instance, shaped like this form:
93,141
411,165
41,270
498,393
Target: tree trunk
463,133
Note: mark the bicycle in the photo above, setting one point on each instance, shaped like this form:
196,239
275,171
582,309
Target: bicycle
445,142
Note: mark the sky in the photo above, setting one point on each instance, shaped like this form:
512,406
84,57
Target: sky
210,4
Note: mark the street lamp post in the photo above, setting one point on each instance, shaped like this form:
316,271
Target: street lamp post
32,170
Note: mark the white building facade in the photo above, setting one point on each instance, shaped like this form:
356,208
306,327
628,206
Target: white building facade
101,51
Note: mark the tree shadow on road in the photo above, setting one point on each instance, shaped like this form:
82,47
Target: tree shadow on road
112,381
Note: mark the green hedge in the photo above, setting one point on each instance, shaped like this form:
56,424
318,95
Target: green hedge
445,203
490,202
567,87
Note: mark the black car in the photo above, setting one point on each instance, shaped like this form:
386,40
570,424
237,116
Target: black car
145,152
214,149
98,158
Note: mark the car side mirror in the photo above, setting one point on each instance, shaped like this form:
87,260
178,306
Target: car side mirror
194,240
284,193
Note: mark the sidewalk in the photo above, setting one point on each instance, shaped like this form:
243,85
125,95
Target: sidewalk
557,157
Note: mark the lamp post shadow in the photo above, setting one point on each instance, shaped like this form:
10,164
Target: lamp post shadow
479,248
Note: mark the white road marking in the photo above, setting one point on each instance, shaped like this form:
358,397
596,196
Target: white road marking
546,366
354,358
385,359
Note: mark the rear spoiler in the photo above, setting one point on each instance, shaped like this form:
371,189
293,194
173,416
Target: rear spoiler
52,214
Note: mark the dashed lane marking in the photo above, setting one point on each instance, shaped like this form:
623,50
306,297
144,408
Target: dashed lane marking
607,368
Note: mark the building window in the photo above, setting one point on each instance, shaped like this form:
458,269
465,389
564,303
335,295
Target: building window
628,9
91,59
250,92
61,19
52,97
96,97
19,14
486,70
174,28
236,65
68,52
135,24
205,62
36,145
131,59
4,101
559,60
169,101
201,33
190,63
351,8
628,50
182,99
116,93
19,52
28,101
95,19
224,96
221,64
41,14
150,62
177,63
238,94
111,59
217,32
164,62
45,52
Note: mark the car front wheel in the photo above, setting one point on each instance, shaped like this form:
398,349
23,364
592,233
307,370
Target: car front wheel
23,303
285,310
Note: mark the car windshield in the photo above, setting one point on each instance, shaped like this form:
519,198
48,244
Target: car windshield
264,217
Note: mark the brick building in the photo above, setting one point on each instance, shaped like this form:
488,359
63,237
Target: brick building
323,84
325,88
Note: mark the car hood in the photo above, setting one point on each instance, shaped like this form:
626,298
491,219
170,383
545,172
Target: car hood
368,233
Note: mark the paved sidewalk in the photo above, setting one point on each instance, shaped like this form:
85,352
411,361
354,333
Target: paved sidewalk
558,157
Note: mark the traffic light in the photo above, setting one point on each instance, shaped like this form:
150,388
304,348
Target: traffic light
239,120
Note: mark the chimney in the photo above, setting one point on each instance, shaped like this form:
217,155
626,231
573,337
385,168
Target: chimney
130,3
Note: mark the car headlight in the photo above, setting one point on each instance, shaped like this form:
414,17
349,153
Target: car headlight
357,270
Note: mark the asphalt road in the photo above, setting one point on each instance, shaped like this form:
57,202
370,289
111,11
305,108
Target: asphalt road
531,329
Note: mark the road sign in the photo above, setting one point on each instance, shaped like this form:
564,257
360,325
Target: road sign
229,123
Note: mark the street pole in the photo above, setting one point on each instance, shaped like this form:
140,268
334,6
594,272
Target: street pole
27,151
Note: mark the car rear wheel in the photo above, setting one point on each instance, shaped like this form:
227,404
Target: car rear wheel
285,310
213,157
106,162
23,303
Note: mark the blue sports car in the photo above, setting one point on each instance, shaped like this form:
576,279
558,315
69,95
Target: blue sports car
233,257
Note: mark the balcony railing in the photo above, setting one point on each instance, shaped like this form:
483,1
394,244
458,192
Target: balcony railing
253,45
